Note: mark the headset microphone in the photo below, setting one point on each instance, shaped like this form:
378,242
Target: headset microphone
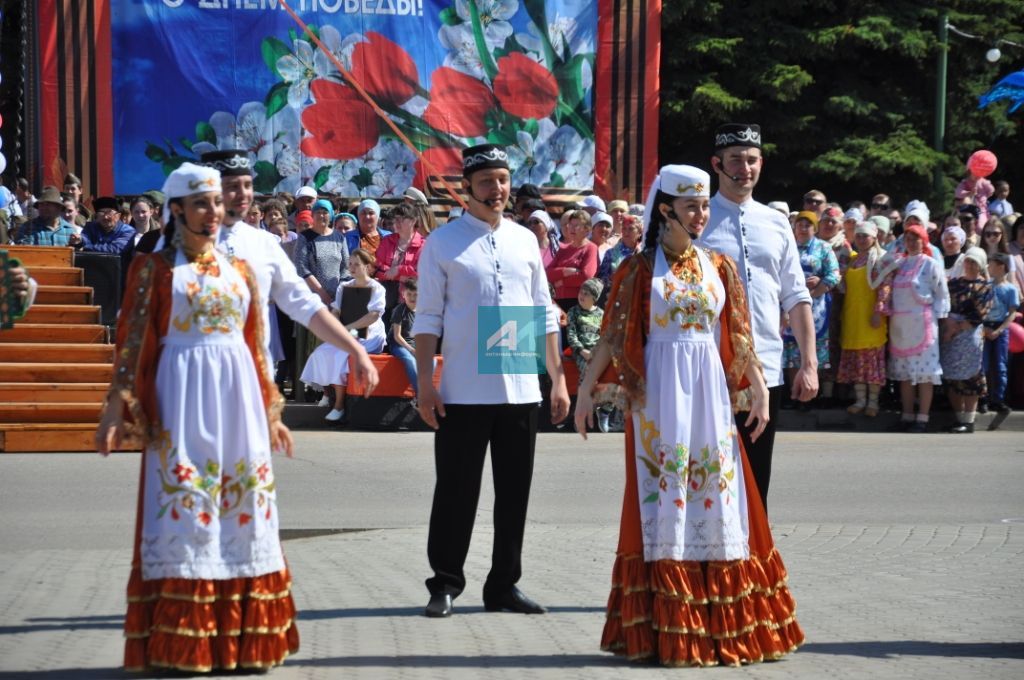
672,213
493,202
230,213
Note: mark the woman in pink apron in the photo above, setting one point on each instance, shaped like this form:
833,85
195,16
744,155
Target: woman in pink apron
919,298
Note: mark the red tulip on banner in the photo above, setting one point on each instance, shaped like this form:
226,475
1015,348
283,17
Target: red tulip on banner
385,70
445,161
525,88
458,103
341,124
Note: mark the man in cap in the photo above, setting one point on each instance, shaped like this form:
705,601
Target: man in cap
276,278
304,199
49,228
481,261
593,204
73,188
761,242
107,233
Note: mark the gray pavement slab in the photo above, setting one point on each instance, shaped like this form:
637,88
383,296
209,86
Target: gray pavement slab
904,552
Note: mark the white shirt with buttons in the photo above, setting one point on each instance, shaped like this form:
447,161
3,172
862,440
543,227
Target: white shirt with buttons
463,266
761,242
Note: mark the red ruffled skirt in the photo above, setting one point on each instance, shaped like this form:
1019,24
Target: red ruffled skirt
199,625
699,613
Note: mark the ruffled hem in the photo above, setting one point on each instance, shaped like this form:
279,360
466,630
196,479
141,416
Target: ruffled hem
701,613
199,625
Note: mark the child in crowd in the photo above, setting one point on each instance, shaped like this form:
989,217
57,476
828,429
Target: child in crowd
864,331
583,331
403,343
328,365
970,300
1005,302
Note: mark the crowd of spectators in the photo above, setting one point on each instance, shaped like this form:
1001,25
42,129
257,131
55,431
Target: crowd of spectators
886,321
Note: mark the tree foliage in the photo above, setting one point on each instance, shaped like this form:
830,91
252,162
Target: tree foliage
844,91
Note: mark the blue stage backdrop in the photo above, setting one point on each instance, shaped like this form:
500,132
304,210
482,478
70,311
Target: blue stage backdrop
195,75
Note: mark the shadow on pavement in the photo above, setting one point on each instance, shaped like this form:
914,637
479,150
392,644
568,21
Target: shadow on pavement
449,661
881,649
43,624
384,612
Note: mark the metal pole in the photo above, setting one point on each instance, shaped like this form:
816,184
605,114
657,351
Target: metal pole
940,100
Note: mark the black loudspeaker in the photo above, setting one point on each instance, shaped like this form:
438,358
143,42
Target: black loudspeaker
103,273
382,413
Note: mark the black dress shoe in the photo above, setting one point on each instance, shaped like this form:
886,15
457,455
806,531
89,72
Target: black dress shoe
514,601
439,607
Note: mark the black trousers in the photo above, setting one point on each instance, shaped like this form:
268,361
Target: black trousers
460,445
760,453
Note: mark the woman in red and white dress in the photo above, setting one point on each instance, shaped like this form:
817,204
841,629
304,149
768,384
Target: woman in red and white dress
697,580
209,586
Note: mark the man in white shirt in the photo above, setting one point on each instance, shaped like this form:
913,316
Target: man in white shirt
276,278
761,242
478,264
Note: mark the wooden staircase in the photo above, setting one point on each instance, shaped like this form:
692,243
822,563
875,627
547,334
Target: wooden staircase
56,363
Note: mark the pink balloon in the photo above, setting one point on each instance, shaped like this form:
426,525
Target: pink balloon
1016,338
982,163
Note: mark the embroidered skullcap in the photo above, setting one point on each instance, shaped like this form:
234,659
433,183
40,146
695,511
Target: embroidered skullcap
483,157
305,192
869,228
324,204
853,214
592,287
618,204
188,179
368,204
684,181
594,202
228,162
882,222
738,134
808,215
977,255
961,235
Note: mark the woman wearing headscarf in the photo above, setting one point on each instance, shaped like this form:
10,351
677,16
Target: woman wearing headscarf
970,299
953,240
697,580
830,230
864,330
822,274
919,299
209,587
539,222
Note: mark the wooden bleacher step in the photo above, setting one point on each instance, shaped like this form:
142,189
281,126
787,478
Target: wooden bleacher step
43,256
40,313
52,412
64,295
58,276
54,332
57,437
56,353
53,392
56,373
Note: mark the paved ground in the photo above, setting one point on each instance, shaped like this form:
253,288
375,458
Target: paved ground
905,557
